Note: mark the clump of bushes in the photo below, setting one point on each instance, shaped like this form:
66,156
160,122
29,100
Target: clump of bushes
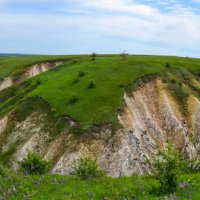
168,168
73,100
86,168
75,81
167,65
33,164
121,85
74,61
180,84
91,85
81,73
173,81
38,81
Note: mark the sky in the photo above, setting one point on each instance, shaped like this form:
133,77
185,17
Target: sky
161,27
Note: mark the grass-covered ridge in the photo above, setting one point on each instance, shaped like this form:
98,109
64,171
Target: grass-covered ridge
91,92
11,65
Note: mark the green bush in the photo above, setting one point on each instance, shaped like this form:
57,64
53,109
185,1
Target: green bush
38,81
74,61
124,55
75,81
168,168
167,65
173,81
81,73
86,168
91,85
33,164
121,85
94,55
73,100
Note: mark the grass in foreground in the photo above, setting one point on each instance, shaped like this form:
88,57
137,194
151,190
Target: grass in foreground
107,188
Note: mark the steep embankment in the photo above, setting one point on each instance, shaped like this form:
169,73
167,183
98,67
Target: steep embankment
152,117
30,72
118,111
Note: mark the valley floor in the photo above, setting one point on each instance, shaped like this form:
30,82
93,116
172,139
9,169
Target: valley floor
58,187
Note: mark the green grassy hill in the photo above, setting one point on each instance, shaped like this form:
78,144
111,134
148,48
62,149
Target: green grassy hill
11,65
91,92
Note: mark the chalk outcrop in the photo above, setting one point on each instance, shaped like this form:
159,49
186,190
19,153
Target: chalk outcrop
151,118
30,72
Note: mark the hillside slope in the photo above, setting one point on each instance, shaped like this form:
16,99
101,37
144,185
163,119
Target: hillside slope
119,111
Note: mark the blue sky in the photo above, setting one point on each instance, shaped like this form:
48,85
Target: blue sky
169,27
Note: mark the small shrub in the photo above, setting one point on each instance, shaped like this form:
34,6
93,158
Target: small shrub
38,81
168,168
164,81
94,55
75,81
81,73
73,100
173,81
180,84
74,61
124,55
167,65
121,85
91,85
86,168
33,164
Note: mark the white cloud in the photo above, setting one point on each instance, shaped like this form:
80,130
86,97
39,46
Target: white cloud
179,28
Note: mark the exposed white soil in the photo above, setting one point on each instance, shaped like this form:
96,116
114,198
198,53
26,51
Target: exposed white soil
194,110
151,118
3,124
7,82
31,71
39,68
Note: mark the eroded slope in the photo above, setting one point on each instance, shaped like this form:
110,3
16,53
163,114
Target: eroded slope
30,72
152,117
